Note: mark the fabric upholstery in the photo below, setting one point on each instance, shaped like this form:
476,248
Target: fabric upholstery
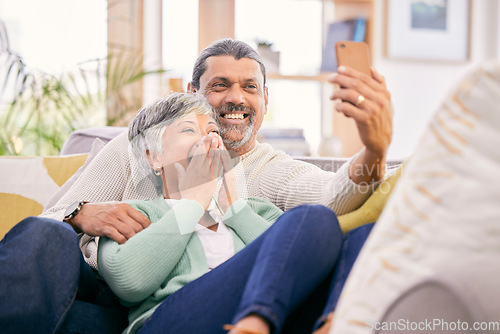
28,183
92,140
81,141
370,211
440,229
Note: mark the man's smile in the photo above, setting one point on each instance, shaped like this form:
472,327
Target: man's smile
234,114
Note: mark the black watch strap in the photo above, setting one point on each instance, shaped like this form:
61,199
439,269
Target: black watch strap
71,212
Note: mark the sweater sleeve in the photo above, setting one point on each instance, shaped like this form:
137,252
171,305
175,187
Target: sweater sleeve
251,217
137,268
289,183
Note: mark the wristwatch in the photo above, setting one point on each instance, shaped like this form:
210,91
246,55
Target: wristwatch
71,212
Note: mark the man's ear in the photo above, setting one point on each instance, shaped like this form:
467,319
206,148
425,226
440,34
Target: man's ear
190,88
266,99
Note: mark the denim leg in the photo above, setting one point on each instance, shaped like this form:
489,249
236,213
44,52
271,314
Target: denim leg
351,246
292,263
39,271
271,276
85,317
96,309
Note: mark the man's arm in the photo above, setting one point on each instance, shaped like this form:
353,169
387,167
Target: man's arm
287,182
367,100
106,180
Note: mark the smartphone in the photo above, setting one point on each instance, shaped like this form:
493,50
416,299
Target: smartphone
354,54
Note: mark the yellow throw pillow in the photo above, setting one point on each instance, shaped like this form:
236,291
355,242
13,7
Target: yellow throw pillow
372,208
434,251
29,182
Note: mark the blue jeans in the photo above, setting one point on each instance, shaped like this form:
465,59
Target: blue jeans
46,286
285,276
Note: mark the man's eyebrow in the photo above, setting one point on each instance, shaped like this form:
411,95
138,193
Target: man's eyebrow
252,80
219,79
224,79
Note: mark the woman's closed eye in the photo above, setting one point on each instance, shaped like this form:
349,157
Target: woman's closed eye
188,130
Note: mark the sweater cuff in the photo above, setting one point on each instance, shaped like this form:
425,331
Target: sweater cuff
187,214
362,187
236,208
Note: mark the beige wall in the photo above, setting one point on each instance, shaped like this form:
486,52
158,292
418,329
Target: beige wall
418,87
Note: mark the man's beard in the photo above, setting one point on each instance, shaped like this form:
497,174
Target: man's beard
242,131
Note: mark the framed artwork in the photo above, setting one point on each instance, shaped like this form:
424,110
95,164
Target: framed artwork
428,29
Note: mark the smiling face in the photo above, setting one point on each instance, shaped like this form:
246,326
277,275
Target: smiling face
235,88
178,140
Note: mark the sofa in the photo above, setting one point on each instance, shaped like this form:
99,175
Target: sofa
431,262
30,183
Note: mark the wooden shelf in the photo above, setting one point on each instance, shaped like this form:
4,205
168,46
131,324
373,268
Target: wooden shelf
212,27
353,1
343,127
322,77
348,9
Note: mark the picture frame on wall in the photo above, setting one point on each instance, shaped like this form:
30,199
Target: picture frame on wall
428,30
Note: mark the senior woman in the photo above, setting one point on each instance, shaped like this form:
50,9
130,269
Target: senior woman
210,258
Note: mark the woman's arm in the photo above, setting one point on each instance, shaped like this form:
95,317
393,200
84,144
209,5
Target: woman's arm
137,268
251,217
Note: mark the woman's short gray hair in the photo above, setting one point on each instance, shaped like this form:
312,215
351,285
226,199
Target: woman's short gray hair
146,129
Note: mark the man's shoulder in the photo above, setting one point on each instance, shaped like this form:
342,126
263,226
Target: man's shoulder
264,153
117,146
267,152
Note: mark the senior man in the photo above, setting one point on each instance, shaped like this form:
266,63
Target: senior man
232,77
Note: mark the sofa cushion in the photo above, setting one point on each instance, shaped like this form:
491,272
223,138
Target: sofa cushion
81,141
440,230
29,182
97,146
370,211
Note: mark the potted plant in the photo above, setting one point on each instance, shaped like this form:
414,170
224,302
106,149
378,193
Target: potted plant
39,110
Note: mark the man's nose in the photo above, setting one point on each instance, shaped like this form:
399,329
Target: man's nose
235,95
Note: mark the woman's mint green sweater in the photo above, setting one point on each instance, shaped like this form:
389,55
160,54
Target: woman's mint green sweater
168,254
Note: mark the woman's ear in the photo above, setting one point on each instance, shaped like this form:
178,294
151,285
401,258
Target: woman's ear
190,88
152,160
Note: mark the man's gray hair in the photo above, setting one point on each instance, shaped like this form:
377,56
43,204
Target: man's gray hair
145,131
225,47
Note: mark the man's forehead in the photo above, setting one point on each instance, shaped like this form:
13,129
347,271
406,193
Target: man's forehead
229,67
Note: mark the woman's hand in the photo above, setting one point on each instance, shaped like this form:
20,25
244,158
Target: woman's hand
227,194
199,180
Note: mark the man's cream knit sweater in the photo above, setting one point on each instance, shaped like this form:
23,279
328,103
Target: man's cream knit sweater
263,172
268,173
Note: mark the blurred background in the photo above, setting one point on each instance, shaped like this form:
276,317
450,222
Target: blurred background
70,64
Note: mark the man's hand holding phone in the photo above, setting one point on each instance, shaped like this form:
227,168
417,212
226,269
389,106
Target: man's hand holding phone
365,98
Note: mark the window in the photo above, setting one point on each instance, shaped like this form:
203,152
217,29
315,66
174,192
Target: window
51,97
297,36
57,34
180,37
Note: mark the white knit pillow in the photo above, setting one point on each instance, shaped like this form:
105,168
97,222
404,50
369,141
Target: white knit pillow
440,230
